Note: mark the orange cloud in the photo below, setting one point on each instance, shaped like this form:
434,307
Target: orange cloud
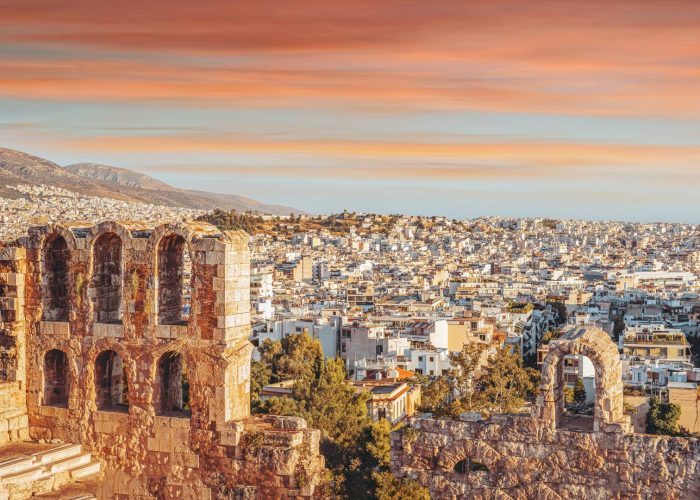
597,57
496,158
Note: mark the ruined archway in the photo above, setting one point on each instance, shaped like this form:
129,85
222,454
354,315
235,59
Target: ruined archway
55,297
174,269
107,278
56,378
599,348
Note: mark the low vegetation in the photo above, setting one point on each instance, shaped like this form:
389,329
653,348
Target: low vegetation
335,224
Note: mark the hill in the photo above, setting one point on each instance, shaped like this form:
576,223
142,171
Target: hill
106,181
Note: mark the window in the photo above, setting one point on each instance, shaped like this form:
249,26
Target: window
174,267
111,386
55,378
468,465
432,372
420,359
381,413
107,278
432,359
55,293
380,349
172,391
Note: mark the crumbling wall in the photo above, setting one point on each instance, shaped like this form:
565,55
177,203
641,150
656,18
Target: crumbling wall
13,404
524,457
210,449
536,456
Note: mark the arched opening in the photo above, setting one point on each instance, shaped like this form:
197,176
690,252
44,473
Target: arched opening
467,466
578,380
605,388
111,385
174,271
107,278
172,391
56,383
55,283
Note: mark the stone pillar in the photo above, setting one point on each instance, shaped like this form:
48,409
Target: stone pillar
221,319
13,396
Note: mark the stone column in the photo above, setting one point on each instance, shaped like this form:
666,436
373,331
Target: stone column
13,356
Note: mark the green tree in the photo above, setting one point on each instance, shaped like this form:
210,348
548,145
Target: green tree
377,443
233,220
662,418
568,395
388,487
462,377
323,396
434,393
260,376
579,391
301,357
506,384
618,328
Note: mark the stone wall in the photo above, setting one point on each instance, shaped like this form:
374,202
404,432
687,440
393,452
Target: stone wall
162,398
525,458
13,401
542,456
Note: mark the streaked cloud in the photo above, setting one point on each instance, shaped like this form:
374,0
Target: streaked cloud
542,93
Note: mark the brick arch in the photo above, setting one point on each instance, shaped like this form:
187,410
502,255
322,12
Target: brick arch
595,344
467,448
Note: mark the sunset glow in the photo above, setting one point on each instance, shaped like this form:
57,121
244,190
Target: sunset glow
461,108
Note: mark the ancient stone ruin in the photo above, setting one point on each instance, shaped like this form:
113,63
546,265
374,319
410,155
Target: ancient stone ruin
540,456
130,345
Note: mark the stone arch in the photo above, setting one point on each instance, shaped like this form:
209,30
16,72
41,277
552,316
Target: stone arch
55,245
107,277
595,344
467,449
55,286
174,272
171,387
56,383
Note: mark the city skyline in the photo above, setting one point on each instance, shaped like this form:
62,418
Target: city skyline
512,108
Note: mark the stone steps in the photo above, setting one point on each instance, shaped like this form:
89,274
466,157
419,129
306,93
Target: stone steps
44,470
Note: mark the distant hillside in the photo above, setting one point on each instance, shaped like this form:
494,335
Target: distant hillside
105,181
115,175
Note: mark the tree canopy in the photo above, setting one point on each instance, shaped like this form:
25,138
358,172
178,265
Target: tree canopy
662,418
357,450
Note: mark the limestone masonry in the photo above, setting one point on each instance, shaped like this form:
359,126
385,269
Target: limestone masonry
132,342
545,455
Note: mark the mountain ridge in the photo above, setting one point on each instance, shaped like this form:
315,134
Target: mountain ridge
94,179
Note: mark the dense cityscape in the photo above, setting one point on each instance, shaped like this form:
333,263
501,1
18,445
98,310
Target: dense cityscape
395,296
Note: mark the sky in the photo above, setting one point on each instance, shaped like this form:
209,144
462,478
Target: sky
557,108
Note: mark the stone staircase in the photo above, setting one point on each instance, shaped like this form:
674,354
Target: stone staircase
31,469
